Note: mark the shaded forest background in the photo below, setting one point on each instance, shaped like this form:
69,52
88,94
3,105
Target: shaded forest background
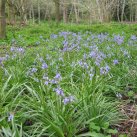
78,11
68,11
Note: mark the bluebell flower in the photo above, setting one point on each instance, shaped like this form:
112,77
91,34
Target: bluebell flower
11,116
133,37
20,50
12,49
85,65
53,81
107,68
93,54
80,62
58,77
91,76
46,82
118,39
104,70
69,99
34,70
53,36
97,62
44,66
59,91
115,61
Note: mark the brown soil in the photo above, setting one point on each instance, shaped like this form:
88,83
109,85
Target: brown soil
129,125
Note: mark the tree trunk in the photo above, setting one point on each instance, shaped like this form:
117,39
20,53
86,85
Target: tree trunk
33,14
76,12
57,9
38,11
118,4
123,9
65,12
136,13
2,19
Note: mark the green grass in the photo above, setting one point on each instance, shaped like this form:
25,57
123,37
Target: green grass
85,99
30,33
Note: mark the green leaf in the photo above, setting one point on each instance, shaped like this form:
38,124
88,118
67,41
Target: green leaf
112,131
130,93
106,125
122,135
93,134
94,127
56,128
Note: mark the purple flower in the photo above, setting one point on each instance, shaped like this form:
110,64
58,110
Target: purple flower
17,50
107,68
93,54
44,66
53,36
46,78
11,116
91,76
59,91
115,62
118,39
53,81
104,70
34,70
12,49
85,65
58,77
46,82
69,99
133,37
21,50
98,62
80,62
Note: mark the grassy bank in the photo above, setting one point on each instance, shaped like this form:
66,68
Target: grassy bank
69,81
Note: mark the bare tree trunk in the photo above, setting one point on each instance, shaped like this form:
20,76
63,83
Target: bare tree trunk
118,11
131,11
2,19
57,9
30,15
33,16
136,13
76,12
65,13
38,2
99,11
123,9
